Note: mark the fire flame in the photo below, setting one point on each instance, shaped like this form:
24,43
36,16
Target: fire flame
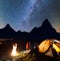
14,50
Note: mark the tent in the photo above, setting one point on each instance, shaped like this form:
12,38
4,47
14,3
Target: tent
50,47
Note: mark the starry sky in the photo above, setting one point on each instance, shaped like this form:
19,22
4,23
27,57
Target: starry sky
24,15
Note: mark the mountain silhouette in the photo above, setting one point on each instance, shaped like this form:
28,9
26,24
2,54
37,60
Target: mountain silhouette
46,27
45,31
7,31
21,35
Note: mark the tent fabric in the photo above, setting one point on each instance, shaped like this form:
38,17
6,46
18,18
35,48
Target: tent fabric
47,47
43,47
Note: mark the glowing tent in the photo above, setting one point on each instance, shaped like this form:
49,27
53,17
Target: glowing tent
49,47
43,47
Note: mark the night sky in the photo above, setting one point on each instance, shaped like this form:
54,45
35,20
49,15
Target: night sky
24,15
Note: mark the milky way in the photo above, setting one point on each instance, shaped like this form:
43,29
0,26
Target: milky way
26,14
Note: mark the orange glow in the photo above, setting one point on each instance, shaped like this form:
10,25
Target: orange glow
43,47
27,46
14,52
56,48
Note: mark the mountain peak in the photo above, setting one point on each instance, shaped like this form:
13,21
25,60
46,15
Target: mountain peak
8,26
46,23
47,27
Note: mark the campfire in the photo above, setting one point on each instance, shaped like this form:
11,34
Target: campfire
14,50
